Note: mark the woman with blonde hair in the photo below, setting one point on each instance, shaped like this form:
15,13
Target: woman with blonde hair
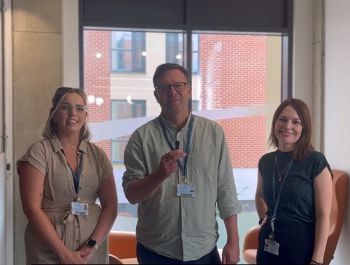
61,177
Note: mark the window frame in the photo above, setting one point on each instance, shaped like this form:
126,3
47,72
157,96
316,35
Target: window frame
260,16
173,39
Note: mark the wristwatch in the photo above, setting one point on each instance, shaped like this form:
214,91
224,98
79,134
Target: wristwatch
92,243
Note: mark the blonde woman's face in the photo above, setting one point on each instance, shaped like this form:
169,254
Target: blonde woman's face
71,114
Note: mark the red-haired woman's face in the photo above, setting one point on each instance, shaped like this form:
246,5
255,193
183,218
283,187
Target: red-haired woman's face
288,129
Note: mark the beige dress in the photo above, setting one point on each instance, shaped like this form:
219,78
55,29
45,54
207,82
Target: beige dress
47,156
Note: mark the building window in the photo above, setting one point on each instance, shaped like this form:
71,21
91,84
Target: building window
128,51
175,50
123,109
195,105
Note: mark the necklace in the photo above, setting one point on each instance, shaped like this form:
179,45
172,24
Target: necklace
282,172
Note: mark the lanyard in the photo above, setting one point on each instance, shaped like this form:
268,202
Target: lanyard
76,175
187,147
277,200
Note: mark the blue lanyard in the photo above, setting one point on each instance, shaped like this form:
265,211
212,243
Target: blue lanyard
76,175
277,200
187,147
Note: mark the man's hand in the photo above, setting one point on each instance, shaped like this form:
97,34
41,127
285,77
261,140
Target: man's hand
230,254
168,162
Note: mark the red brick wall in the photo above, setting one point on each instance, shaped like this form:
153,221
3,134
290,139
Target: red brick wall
97,77
246,140
233,71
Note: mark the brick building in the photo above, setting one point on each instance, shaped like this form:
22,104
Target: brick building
232,73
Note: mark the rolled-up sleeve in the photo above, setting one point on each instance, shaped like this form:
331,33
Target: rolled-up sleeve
134,159
36,157
227,201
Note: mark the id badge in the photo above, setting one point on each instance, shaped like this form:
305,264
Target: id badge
271,246
186,190
79,208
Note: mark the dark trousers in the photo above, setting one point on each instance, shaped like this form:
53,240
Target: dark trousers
146,256
296,243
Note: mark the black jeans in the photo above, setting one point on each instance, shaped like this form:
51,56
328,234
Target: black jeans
146,256
296,243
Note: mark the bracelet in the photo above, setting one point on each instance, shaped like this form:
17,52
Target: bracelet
261,220
315,262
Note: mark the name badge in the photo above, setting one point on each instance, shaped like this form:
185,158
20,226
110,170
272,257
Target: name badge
271,246
186,190
79,208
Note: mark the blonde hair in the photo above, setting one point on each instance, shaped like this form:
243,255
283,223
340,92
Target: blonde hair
50,128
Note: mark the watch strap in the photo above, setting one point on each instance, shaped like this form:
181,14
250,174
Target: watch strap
92,243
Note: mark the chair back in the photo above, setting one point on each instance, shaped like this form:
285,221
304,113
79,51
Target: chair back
122,244
340,191
250,245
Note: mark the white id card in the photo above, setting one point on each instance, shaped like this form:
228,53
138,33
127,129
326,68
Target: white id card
271,246
79,208
186,190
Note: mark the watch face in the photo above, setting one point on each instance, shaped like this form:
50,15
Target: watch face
91,243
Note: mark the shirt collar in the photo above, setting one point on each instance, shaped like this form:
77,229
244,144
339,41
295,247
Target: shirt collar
57,146
172,126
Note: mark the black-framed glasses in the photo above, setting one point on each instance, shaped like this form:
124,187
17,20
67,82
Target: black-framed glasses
178,86
66,107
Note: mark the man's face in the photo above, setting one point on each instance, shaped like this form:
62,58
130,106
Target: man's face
173,92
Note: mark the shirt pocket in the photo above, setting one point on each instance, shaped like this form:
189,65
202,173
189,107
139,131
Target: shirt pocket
202,163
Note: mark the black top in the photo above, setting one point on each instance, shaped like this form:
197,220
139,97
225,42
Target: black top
297,203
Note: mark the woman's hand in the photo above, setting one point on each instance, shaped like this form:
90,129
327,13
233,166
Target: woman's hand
86,253
72,257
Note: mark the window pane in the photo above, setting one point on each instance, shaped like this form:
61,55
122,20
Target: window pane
175,50
127,51
118,147
124,109
239,85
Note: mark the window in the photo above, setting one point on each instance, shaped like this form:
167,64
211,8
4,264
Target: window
238,84
128,51
124,109
240,72
195,105
175,50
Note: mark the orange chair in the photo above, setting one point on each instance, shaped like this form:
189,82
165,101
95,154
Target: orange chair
340,191
122,247
250,245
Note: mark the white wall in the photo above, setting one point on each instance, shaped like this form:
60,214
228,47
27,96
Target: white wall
337,88
302,53
337,103
2,208
7,244
70,33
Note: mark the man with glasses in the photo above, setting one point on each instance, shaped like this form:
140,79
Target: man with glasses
179,172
